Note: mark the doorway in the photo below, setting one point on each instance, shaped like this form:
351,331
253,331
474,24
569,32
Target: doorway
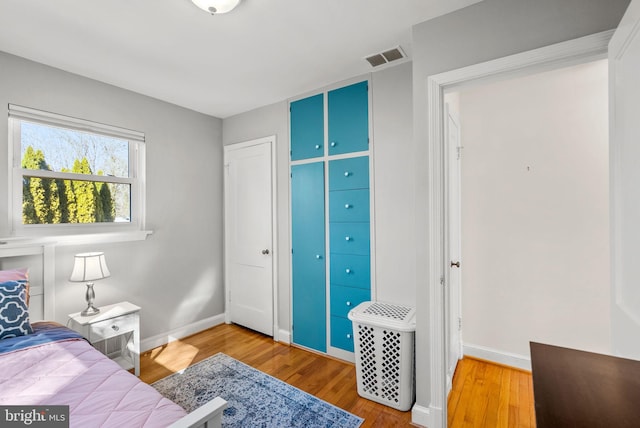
535,213
562,54
249,235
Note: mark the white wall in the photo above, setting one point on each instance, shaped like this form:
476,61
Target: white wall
176,274
535,212
484,31
392,136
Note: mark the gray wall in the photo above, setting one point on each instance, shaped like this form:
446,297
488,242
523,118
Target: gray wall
393,192
176,274
484,31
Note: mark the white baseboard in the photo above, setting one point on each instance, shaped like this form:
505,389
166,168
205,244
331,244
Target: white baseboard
506,358
430,417
284,336
181,332
420,416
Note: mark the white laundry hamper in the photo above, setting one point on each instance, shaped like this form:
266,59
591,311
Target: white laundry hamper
384,338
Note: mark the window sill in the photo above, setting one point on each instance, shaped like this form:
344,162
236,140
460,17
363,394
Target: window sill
82,239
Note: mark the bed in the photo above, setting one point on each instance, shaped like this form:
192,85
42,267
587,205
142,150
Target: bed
46,364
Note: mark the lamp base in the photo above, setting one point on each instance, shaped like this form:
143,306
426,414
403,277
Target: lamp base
91,310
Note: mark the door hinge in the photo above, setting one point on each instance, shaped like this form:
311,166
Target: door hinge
459,323
442,280
459,152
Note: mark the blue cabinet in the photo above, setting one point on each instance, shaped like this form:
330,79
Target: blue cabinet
307,127
338,119
308,256
348,119
349,243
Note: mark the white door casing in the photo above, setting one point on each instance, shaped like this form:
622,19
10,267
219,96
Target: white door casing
453,152
249,235
624,158
575,51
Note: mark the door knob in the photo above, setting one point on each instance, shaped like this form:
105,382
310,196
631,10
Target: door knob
456,264
265,251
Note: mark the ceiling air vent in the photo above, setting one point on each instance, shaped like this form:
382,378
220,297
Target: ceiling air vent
386,57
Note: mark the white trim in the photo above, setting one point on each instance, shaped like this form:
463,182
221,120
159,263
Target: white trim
284,336
58,120
505,358
421,416
87,238
554,56
180,332
272,140
16,248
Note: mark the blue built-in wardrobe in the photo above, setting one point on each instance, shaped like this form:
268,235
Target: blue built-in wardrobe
330,215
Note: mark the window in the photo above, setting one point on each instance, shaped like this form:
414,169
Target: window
73,176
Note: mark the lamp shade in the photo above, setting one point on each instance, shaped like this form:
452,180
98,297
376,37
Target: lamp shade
216,6
89,267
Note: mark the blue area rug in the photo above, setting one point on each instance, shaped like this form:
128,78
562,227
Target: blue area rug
254,398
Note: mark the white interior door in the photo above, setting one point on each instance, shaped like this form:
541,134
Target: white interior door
453,221
624,93
249,235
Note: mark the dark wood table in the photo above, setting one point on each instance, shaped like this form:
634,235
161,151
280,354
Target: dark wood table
582,389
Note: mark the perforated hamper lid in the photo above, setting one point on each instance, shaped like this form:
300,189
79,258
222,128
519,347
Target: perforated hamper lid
386,315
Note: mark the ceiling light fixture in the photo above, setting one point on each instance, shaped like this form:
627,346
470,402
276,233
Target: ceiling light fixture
215,7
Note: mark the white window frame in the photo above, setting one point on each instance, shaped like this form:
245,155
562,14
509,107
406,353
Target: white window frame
76,232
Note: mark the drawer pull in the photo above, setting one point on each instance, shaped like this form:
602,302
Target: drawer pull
348,335
348,303
333,144
317,146
115,327
347,238
346,173
318,256
347,206
347,270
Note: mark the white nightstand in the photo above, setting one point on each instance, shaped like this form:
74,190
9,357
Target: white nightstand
122,321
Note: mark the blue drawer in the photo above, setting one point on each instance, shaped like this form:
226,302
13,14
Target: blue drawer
341,333
349,206
350,270
352,173
350,238
343,299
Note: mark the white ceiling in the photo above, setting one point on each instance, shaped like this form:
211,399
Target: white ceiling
263,52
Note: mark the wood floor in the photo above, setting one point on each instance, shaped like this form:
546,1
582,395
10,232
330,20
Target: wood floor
484,395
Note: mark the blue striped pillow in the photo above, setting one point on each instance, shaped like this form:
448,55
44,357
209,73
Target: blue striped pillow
14,312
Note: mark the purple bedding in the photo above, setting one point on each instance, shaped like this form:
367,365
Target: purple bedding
57,367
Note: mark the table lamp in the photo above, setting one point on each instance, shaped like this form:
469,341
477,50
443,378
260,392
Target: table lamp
89,267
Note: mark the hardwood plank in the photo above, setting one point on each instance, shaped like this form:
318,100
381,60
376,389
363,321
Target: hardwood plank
329,379
490,395
483,394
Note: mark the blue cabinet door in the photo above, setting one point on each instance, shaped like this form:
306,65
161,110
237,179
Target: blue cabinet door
351,270
341,333
350,173
307,127
308,256
343,299
350,238
349,205
349,119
